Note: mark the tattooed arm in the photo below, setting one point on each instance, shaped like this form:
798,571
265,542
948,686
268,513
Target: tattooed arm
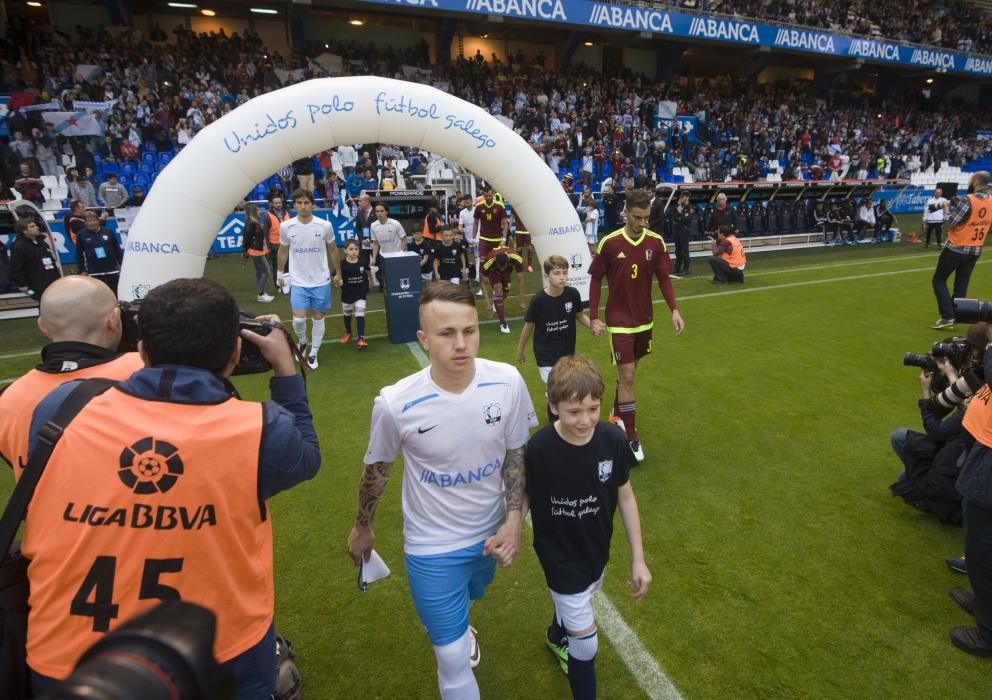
362,539
504,545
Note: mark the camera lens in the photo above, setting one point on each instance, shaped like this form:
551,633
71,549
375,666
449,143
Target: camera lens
912,359
972,310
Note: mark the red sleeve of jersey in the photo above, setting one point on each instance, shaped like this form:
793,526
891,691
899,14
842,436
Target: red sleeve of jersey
597,270
662,269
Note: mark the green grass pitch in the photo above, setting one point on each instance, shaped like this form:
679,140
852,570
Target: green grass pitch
782,567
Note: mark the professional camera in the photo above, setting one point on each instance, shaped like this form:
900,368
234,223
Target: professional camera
972,310
956,350
251,360
166,653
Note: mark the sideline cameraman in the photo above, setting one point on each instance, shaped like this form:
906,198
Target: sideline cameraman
185,499
930,458
80,316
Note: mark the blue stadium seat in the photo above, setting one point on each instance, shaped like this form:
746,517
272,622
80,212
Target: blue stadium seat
146,168
97,159
124,180
260,192
110,167
150,147
128,167
148,157
164,157
160,166
142,181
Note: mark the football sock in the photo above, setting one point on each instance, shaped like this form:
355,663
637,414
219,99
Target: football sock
582,666
500,311
361,325
555,630
347,323
300,328
628,413
616,400
454,675
318,335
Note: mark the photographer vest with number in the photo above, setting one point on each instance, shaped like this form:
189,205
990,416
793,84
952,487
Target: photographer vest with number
971,232
142,501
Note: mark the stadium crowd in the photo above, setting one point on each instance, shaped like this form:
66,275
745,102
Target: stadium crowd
950,24
585,125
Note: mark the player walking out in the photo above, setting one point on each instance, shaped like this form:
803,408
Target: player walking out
305,241
461,425
628,258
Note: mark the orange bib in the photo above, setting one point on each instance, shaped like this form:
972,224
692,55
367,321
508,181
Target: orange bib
972,231
144,501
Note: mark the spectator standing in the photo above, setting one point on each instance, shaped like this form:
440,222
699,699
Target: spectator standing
304,173
30,188
112,193
80,188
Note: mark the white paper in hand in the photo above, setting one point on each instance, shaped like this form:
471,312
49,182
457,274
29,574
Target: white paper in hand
372,570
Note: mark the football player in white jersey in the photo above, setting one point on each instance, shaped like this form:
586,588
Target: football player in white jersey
461,425
305,242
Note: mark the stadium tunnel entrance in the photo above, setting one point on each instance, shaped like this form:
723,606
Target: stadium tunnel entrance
186,206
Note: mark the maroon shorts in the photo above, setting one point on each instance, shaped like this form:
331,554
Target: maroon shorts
486,246
522,239
630,347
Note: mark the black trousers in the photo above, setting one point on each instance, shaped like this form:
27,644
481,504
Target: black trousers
962,266
978,554
681,249
723,272
934,229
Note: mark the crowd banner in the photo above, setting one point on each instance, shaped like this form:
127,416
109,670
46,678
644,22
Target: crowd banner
191,198
692,26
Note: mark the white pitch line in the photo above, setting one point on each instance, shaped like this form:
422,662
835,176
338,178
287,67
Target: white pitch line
805,283
19,354
642,666
635,656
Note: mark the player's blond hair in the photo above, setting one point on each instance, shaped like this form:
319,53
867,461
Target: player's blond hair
573,378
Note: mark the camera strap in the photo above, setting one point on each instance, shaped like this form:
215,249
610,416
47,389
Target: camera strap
48,437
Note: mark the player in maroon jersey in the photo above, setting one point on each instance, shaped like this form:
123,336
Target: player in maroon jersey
497,272
522,241
491,226
628,258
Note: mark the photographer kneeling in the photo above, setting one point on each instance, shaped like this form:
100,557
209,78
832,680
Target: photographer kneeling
157,490
931,458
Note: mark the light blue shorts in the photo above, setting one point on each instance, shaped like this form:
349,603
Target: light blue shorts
442,586
313,298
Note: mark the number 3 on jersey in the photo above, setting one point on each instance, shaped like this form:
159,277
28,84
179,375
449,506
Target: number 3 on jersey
99,585
633,271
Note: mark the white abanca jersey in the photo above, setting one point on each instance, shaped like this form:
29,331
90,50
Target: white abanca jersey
453,448
308,266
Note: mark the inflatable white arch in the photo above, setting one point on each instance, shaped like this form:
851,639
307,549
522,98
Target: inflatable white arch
186,207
